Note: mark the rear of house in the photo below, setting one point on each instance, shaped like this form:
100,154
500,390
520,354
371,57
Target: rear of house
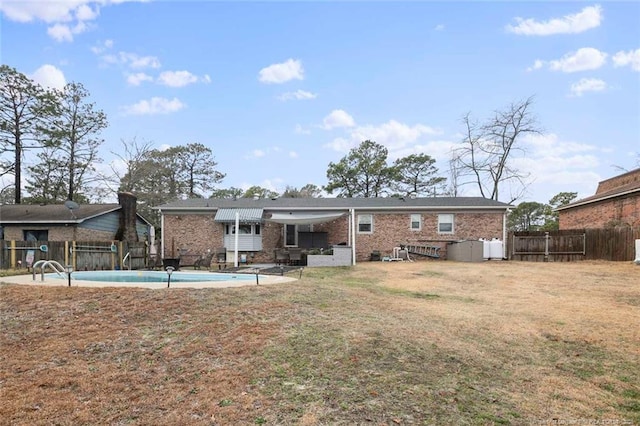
191,228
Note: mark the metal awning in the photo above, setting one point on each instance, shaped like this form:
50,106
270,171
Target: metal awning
246,215
304,218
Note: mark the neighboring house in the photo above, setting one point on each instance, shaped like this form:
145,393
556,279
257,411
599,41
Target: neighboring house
615,203
56,222
364,224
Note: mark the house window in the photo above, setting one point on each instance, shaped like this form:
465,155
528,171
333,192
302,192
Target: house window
36,235
244,229
291,233
445,223
416,222
365,223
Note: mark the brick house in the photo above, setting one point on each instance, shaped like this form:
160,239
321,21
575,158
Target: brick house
366,225
615,203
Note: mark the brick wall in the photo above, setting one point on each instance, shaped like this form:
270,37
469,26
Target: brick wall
619,211
391,230
618,181
199,232
58,233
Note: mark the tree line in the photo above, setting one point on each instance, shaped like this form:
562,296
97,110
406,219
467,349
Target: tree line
57,132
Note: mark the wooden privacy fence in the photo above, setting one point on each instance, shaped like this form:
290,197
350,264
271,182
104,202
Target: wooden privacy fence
617,244
81,255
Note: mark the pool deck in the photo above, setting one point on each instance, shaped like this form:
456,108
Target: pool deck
58,282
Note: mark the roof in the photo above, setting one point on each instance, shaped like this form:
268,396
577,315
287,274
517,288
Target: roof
391,203
245,215
54,213
628,186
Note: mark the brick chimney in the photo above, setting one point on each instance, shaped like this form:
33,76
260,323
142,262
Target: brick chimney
127,230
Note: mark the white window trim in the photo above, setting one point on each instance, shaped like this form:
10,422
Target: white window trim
440,221
419,228
358,223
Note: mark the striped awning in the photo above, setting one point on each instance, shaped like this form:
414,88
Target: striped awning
246,215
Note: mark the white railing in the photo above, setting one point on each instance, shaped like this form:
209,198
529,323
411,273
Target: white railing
57,268
124,259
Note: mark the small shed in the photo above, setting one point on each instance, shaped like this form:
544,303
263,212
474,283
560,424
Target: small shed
466,251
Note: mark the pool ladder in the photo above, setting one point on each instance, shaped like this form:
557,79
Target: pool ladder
124,259
57,268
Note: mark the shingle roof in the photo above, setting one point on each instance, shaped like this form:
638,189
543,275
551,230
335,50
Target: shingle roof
334,203
52,213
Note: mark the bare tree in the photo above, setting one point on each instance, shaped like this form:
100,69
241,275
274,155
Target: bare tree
485,158
126,170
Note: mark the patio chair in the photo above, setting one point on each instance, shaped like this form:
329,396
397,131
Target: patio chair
281,256
295,255
203,261
221,255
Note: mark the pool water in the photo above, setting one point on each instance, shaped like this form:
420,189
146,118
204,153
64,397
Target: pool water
152,276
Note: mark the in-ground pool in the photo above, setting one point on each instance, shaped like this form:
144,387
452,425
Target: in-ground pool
153,276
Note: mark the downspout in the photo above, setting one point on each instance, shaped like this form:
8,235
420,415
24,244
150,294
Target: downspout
353,237
504,233
162,236
235,263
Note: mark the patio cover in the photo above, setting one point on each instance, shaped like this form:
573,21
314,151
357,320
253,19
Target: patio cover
304,218
246,215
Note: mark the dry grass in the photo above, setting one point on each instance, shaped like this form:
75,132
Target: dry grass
381,343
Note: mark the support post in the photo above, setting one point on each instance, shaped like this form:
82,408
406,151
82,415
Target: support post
13,254
235,262
546,246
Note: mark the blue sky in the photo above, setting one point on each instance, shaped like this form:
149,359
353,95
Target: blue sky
279,89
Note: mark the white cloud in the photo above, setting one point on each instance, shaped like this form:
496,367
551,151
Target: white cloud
256,153
60,32
67,17
283,72
631,58
86,13
153,106
138,78
588,85
588,18
135,61
176,78
206,79
297,95
537,64
102,47
293,154
551,145
399,138
341,144
50,11
393,134
49,76
301,130
584,59
336,119
439,27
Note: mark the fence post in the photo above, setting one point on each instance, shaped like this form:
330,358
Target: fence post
546,246
13,254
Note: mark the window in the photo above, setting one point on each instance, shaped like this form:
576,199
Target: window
445,223
416,222
36,235
365,223
245,229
